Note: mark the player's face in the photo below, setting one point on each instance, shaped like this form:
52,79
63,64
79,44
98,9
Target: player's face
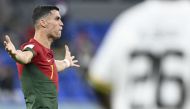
54,24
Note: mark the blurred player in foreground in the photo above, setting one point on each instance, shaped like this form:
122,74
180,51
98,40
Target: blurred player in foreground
144,59
38,70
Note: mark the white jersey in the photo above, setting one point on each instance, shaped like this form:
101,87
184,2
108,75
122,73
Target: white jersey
145,56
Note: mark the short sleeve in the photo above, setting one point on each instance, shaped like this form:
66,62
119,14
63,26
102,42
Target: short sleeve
29,47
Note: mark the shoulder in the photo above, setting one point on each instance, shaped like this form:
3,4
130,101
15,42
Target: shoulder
32,46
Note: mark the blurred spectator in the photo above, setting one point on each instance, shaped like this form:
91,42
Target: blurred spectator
84,49
5,11
6,78
144,59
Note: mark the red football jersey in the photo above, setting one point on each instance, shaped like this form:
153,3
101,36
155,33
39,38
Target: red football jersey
43,62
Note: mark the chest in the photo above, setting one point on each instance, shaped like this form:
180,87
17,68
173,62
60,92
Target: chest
44,58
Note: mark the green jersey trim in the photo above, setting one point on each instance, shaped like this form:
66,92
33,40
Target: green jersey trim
30,49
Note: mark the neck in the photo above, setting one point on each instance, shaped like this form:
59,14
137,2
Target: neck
43,39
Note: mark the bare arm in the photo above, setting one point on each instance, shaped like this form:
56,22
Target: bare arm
23,57
69,61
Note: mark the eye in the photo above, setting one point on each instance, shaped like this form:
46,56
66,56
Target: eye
58,18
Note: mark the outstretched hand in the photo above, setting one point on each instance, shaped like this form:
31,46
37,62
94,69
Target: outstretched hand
71,61
9,46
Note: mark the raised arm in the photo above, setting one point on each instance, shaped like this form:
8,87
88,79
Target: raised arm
69,61
23,57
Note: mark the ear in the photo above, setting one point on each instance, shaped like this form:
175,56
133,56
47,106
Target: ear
43,23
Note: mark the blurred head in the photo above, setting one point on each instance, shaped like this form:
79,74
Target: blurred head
48,20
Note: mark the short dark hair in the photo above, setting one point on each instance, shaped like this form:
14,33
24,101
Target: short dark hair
41,11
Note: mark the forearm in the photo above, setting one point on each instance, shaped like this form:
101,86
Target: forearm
23,57
61,65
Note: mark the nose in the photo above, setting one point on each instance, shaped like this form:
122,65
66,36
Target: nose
61,23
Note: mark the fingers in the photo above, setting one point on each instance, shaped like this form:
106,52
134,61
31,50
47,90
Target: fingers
5,43
76,65
73,63
6,46
67,52
7,39
72,57
9,47
66,48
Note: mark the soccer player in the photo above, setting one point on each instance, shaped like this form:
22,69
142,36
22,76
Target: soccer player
145,57
35,60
